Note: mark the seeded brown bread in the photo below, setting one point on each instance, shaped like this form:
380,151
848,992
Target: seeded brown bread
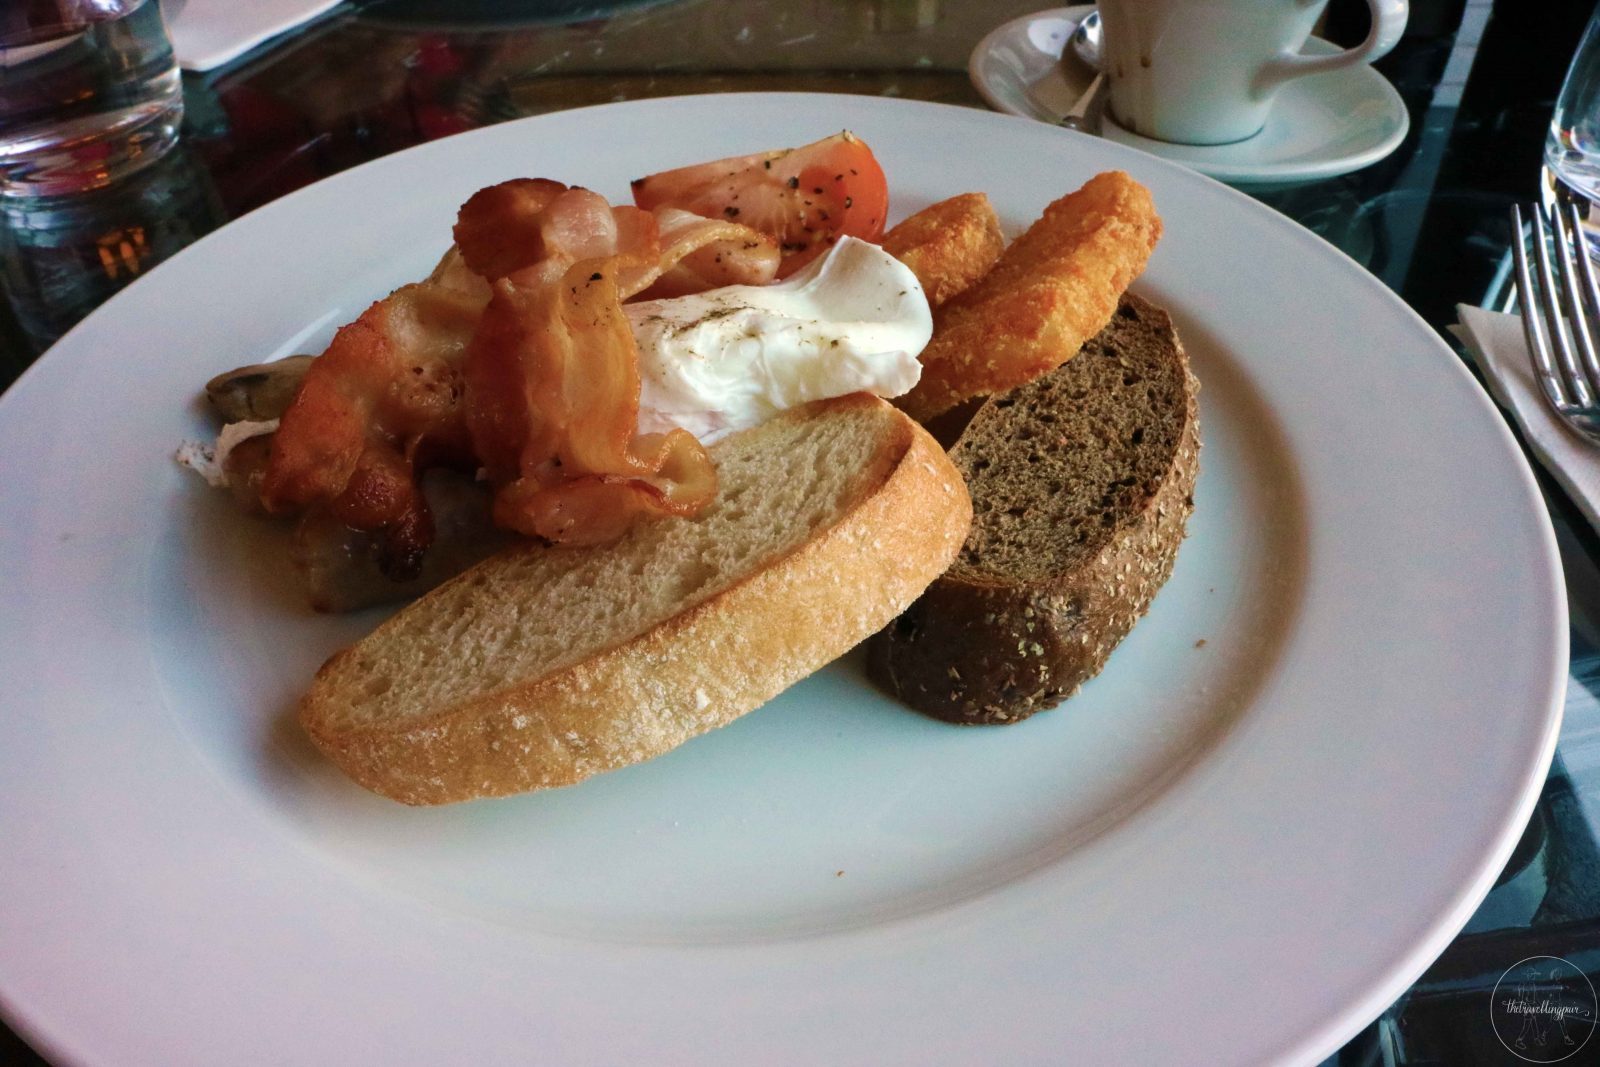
543,666
1082,483
1050,291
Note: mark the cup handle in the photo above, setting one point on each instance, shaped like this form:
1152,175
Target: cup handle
1388,23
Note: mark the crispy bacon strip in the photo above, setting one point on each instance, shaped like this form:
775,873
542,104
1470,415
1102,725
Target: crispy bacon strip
700,253
553,418
553,406
534,222
382,402
512,226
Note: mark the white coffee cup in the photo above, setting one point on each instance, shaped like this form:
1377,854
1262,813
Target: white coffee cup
1206,71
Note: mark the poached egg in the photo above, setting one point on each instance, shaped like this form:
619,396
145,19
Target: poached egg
854,320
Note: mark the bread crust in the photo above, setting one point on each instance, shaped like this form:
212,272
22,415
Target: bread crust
695,671
980,647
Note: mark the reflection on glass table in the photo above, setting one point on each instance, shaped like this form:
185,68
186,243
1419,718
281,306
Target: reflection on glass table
64,255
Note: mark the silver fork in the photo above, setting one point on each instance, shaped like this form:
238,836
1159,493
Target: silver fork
1558,318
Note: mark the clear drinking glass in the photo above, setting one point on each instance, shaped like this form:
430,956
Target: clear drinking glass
89,92
1572,147
62,256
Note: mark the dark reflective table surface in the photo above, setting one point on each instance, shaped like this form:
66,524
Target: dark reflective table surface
1479,79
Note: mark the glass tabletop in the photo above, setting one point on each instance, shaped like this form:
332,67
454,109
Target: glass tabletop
1479,79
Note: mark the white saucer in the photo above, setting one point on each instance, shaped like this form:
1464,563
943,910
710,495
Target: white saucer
1321,126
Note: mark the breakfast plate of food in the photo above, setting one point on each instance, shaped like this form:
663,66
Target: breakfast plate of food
732,590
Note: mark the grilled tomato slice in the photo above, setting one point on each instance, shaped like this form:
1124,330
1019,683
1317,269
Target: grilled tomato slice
805,197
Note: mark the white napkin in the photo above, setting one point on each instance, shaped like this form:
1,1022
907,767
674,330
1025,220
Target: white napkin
1496,344
209,33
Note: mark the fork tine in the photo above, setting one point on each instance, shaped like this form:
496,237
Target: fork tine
1569,248
1585,297
1571,380
1532,322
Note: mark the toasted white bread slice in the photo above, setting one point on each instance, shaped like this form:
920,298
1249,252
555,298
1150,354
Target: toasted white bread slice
543,666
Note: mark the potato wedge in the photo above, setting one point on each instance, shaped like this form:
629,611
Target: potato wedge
948,245
1055,287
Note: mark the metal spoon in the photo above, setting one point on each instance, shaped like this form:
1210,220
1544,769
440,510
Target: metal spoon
1085,45
1086,40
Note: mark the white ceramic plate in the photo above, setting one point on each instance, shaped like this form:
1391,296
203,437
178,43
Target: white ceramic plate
1288,790
1320,126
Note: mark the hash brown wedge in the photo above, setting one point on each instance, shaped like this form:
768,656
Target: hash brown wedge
948,245
1052,289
